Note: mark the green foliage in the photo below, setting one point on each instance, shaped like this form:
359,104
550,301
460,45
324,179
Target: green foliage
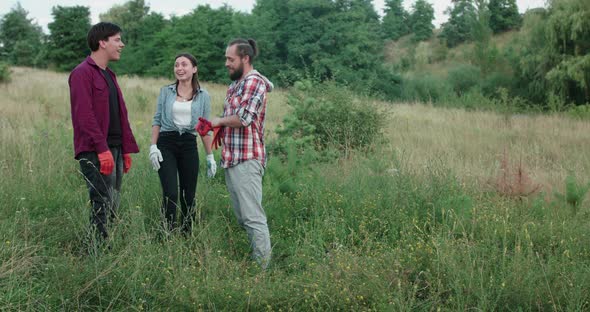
67,44
328,116
138,59
269,25
20,38
568,30
395,22
129,16
421,20
495,80
503,15
4,72
531,58
574,193
334,40
554,57
462,16
464,77
484,53
425,88
579,111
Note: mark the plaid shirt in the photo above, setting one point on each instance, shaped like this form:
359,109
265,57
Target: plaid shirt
247,99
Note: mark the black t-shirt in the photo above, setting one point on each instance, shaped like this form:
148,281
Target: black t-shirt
114,136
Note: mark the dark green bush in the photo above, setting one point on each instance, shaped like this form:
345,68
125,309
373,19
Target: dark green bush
463,78
496,80
426,88
4,72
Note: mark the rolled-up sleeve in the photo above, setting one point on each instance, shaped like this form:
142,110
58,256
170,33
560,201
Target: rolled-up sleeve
252,99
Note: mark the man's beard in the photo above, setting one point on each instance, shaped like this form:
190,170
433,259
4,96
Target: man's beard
237,74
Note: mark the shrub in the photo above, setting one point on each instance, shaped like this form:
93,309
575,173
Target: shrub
494,81
574,193
328,116
463,78
386,84
4,72
425,88
579,111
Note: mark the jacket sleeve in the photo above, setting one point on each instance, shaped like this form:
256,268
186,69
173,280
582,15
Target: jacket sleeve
83,117
207,108
157,121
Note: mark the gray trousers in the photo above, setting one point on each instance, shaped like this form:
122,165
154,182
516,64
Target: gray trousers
244,184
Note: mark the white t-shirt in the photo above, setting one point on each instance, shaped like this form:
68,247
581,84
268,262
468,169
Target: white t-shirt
181,114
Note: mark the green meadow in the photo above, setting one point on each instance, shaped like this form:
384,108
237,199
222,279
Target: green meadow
451,210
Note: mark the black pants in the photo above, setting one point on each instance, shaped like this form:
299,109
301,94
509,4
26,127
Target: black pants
180,166
103,190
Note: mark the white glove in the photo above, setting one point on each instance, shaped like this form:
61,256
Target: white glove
211,166
155,157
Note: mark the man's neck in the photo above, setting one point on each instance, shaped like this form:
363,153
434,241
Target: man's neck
100,60
247,70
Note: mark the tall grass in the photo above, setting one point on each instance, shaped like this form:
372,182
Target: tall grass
413,225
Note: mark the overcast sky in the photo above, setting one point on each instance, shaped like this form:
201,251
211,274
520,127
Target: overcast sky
40,10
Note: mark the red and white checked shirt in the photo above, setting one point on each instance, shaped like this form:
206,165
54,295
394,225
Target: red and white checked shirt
247,99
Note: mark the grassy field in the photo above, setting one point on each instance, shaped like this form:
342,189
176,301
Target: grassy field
455,210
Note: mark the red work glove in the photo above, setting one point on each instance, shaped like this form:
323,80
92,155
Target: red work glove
203,127
126,162
106,162
217,137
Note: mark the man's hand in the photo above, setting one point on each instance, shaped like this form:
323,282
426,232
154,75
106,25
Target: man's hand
216,122
126,162
203,126
107,163
155,157
211,166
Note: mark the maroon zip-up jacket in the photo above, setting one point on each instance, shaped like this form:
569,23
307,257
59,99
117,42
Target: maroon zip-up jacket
89,98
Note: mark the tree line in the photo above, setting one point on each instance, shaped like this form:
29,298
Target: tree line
336,40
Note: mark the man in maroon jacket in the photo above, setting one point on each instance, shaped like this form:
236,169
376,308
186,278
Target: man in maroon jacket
103,141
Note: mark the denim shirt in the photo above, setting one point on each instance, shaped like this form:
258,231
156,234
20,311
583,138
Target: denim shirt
200,107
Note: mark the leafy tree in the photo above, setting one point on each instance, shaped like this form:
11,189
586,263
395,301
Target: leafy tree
553,63
334,40
568,31
138,58
459,26
20,38
67,44
421,20
532,59
129,16
205,33
503,15
395,20
485,53
268,22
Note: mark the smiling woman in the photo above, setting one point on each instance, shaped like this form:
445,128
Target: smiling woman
173,150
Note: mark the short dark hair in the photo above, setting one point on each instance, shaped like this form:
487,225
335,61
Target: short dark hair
101,31
245,47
